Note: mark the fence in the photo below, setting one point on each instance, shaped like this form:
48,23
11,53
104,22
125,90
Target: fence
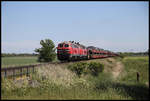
18,71
23,70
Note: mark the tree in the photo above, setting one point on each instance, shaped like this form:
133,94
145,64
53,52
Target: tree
47,51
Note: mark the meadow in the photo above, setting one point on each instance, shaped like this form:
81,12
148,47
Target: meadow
58,82
134,65
18,61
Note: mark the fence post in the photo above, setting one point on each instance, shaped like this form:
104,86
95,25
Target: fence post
5,73
13,73
27,71
21,72
138,76
33,69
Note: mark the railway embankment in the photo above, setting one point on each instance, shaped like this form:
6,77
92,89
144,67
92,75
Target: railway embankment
56,81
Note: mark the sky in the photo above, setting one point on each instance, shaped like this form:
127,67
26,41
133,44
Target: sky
115,26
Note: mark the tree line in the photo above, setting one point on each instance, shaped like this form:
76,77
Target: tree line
15,54
134,54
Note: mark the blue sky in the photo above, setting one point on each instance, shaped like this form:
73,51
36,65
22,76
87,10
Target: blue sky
115,26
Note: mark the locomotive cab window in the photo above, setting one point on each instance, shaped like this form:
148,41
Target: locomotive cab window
66,45
60,45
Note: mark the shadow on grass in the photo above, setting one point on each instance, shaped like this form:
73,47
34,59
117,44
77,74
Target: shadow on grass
136,91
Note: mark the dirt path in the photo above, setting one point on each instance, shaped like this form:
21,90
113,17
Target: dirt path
117,69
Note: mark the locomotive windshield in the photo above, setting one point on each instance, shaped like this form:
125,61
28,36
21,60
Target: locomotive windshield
66,45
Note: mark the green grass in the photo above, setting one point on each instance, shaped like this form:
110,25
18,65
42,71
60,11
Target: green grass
18,61
137,57
134,65
101,87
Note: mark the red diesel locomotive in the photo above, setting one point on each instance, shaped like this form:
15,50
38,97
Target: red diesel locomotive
70,50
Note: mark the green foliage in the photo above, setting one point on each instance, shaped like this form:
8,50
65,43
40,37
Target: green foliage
47,51
93,68
7,86
78,68
102,81
17,55
96,68
122,55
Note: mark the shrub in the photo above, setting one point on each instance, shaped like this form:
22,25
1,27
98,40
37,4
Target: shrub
122,55
95,68
80,68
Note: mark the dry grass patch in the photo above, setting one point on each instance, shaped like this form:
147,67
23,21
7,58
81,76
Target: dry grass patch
57,74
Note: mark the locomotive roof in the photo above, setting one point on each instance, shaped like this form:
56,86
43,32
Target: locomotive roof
66,42
91,47
77,44
96,48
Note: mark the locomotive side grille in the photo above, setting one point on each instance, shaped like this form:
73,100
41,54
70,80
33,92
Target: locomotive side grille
63,50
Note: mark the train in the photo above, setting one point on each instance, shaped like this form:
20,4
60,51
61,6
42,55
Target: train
70,50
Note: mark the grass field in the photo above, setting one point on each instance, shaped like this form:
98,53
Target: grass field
58,82
134,65
18,61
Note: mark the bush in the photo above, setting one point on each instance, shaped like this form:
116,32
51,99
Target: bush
122,56
78,68
93,68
